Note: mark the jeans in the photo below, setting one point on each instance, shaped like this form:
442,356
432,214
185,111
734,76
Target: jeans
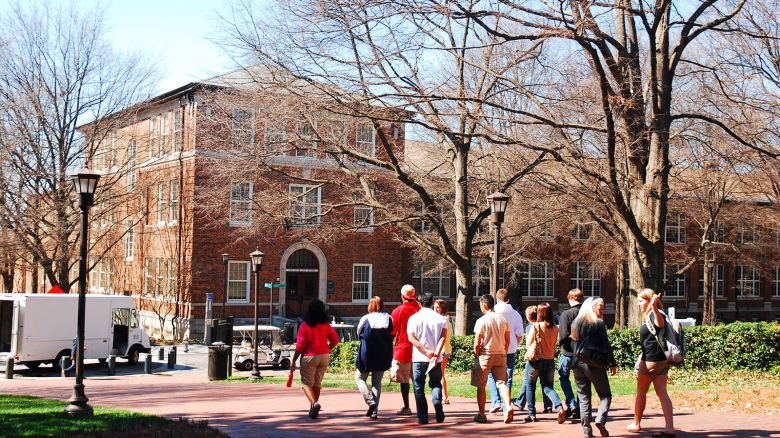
545,370
564,371
370,396
584,375
495,397
520,401
434,382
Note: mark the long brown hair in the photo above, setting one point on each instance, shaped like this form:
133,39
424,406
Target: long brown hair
376,305
544,314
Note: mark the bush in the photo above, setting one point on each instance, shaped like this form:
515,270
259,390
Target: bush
736,346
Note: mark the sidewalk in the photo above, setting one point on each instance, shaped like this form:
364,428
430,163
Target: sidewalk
255,410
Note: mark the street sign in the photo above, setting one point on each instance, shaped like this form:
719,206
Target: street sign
276,285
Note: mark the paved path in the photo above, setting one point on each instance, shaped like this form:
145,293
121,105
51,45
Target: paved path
253,410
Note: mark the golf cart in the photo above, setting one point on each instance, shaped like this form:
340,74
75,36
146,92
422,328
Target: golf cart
346,332
270,350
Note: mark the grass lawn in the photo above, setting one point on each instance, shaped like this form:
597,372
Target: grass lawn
22,416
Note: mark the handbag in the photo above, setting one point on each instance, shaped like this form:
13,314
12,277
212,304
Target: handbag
590,355
535,352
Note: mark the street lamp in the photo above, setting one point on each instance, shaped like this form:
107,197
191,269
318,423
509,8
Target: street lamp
497,202
225,260
85,182
257,265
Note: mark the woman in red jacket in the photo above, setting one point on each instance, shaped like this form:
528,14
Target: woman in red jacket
316,338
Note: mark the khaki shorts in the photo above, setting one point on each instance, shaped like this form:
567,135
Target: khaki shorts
401,372
485,364
313,369
653,368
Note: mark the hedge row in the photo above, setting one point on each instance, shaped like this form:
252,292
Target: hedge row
739,345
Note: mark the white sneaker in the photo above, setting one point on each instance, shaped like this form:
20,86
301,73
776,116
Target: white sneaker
495,408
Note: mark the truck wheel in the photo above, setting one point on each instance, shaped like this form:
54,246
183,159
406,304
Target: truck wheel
33,365
56,364
248,365
133,355
285,363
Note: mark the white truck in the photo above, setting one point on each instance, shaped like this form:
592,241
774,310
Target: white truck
40,328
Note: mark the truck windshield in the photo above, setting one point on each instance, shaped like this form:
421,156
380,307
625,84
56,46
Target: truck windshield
121,317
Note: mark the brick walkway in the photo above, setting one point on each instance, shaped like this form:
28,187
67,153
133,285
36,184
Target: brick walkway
251,410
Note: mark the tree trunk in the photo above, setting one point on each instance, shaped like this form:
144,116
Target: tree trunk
645,270
34,268
621,295
463,302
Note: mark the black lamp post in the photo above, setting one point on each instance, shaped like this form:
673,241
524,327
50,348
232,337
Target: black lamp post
225,260
497,202
257,265
85,182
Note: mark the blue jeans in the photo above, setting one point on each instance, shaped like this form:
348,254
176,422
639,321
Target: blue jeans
545,370
434,382
520,401
564,370
495,397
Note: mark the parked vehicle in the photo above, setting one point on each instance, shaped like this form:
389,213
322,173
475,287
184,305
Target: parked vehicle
346,332
40,328
270,349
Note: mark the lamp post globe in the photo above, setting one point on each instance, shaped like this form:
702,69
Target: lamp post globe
257,265
497,202
85,183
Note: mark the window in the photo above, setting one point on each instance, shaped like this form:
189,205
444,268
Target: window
363,217
676,228
537,279
160,274
717,233
153,137
431,277
776,235
111,154
148,277
306,144
276,137
165,136
748,281
719,272
129,241
162,200
480,276
241,203
103,269
336,137
177,128
678,286
171,277
361,282
365,136
747,235
582,231
238,282
776,283
243,129
305,204
585,278
173,201
131,175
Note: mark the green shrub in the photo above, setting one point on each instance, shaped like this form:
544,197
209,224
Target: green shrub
736,346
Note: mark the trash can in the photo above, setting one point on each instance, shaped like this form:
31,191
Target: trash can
219,355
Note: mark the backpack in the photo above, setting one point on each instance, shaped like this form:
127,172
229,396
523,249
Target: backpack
673,344
590,354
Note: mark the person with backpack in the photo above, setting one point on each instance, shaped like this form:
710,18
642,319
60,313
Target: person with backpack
652,366
375,353
592,355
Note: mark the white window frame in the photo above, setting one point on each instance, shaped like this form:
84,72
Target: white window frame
162,202
742,283
171,284
130,241
583,231
148,276
676,228
298,201
178,125
240,138
432,271
132,151
584,277
164,134
153,141
275,137
363,146
160,277
112,151
720,280
776,283
238,203
173,201
238,281
362,282
747,235
679,282
360,213
480,275
305,138
548,279
337,135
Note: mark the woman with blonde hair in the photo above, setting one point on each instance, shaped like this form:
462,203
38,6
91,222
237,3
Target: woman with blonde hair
374,354
652,366
592,356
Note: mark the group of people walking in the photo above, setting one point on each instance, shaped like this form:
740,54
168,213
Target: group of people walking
413,343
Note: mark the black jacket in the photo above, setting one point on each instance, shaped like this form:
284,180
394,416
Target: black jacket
564,329
598,339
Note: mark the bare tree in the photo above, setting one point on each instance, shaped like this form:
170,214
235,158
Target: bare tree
56,74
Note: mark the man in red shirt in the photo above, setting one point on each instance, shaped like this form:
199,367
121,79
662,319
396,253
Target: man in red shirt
401,369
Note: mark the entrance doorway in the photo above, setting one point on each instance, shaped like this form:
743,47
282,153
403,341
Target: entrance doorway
303,276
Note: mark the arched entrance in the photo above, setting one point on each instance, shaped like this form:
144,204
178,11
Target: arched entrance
303,275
